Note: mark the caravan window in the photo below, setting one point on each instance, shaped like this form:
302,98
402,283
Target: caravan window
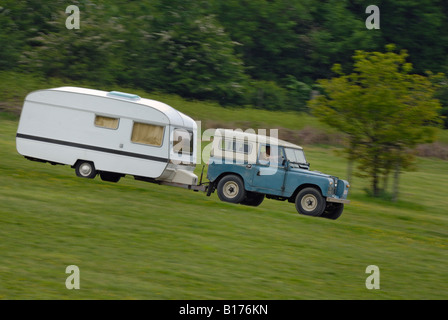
106,122
147,134
183,141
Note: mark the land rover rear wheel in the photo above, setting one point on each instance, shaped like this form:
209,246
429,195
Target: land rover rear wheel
253,199
231,189
310,202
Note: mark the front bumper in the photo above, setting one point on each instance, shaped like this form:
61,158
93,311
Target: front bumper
337,200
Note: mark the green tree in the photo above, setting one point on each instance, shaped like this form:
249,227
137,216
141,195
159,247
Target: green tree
198,60
180,48
442,95
384,110
81,54
419,26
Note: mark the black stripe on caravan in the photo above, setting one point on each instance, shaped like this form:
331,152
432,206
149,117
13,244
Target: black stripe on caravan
89,147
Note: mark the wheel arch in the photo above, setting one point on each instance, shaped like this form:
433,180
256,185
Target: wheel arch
222,175
292,198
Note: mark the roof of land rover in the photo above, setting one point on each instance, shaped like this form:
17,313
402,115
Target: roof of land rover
176,117
228,133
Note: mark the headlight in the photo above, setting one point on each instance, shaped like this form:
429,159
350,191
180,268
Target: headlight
330,186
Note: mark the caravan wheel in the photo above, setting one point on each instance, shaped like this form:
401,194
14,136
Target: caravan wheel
110,176
85,169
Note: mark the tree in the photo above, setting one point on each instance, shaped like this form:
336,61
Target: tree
185,50
384,110
84,54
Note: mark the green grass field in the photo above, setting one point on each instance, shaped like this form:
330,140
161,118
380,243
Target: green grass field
135,240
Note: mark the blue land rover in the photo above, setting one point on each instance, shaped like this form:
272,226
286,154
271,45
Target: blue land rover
245,168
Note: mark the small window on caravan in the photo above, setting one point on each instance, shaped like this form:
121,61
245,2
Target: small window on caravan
106,122
183,141
147,134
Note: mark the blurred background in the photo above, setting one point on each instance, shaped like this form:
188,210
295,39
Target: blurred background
263,53
306,67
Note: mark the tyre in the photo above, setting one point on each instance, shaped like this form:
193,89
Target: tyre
253,199
85,169
310,202
333,211
231,189
110,176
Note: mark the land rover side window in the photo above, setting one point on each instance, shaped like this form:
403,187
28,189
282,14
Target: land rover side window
271,154
106,122
147,134
236,146
183,141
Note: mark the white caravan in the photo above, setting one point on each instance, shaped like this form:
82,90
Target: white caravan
108,133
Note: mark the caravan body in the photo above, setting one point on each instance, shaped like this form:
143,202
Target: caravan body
113,132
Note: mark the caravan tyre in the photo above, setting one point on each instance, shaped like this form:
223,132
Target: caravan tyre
85,169
110,176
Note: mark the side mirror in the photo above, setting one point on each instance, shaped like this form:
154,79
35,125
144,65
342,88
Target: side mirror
305,166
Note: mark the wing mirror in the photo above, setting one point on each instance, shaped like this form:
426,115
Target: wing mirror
305,166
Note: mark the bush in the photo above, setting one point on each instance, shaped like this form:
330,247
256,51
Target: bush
266,95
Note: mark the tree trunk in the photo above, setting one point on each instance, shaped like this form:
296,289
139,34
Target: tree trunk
349,170
385,181
375,184
375,177
396,181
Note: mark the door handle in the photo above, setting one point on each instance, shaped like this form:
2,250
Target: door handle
249,166
258,173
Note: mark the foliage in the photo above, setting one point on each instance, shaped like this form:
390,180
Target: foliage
195,58
84,54
442,95
384,110
266,95
215,49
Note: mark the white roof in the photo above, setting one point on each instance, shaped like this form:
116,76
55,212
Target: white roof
176,117
228,133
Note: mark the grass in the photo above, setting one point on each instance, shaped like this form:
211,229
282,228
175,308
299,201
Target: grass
135,240
15,86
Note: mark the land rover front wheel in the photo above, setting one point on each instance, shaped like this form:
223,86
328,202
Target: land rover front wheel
231,189
310,202
333,210
85,169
